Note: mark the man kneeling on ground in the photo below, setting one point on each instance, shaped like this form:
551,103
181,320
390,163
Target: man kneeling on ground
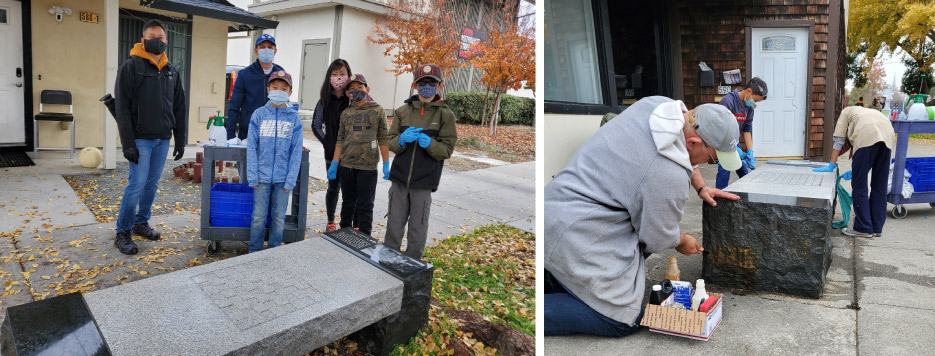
602,220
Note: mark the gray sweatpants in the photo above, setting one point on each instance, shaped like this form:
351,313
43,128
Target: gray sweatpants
408,206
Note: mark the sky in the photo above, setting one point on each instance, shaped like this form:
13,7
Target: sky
894,67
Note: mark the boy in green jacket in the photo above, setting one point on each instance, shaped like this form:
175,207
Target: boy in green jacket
361,138
422,136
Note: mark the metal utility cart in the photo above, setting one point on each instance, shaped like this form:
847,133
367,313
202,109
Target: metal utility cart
903,128
294,229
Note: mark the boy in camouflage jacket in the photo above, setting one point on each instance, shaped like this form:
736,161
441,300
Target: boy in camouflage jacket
362,131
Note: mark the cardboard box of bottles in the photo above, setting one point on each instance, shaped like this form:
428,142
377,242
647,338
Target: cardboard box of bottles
681,322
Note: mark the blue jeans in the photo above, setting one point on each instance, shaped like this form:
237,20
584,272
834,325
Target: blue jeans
264,195
870,164
723,176
142,184
565,314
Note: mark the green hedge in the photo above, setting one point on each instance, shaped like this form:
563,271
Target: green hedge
469,106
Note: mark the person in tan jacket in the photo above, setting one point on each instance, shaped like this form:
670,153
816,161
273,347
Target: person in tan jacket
871,135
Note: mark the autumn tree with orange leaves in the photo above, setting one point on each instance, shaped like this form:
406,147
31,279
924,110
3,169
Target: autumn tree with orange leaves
507,57
417,32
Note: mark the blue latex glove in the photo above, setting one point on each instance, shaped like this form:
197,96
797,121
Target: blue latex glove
743,157
847,175
829,168
333,170
424,140
751,160
411,134
386,170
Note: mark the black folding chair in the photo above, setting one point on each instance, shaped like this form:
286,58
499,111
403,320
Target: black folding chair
54,97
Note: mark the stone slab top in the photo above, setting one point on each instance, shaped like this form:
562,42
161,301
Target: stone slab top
246,304
787,184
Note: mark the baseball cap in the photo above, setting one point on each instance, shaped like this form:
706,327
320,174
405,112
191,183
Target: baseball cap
717,127
357,78
758,86
265,37
282,75
428,70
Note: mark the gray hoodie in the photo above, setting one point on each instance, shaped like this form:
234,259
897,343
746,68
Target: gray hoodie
617,198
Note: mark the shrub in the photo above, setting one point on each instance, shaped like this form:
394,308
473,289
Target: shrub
469,106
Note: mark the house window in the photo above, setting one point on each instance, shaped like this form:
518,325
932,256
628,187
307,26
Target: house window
131,30
778,43
3,19
635,53
571,63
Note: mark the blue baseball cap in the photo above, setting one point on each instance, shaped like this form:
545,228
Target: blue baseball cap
264,37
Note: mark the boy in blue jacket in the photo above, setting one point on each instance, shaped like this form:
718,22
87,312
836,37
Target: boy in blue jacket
274,155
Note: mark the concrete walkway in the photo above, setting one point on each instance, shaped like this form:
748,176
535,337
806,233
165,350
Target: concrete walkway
50,243
890,280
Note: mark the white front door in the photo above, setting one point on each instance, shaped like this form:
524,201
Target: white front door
12,77
780,57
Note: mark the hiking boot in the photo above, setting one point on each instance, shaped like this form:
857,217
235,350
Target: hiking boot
331,227
124,243
854,233
145,231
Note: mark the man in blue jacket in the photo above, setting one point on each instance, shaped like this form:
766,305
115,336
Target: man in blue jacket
249,91
274,155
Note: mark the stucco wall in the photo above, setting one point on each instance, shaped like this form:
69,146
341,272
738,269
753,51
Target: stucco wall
292,30
69,55
367,58
209,56
564,134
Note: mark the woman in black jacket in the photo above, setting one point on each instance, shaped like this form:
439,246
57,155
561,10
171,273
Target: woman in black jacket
325,125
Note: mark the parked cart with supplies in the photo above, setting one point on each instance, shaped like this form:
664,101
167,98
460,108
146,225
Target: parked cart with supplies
922,169
226,208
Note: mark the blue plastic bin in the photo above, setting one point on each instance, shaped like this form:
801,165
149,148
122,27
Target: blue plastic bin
923,173
231,205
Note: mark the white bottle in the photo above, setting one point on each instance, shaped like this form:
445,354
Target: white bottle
699,295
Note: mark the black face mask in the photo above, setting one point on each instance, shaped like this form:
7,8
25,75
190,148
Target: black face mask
154,46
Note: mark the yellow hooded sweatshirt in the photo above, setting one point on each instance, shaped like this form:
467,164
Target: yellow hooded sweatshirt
139,51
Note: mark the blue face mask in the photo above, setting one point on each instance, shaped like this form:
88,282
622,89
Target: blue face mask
278,97
357,95
428,90
265,55
750,103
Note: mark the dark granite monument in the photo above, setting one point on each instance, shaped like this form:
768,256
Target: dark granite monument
381,337
61,325
776,238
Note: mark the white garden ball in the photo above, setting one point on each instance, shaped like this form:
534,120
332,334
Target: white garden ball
90,157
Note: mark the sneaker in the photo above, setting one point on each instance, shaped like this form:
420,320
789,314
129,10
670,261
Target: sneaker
853,233
124,243
146,232
331,227
877,234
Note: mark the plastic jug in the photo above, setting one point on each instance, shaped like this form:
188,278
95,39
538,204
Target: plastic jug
916,107
699,296
216,130
672,272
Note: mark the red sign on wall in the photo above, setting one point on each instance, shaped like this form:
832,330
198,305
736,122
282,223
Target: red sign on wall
469,37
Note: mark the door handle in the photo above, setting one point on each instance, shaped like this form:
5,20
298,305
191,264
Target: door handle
18,85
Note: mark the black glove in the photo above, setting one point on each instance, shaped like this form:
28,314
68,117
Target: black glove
132,155
179,151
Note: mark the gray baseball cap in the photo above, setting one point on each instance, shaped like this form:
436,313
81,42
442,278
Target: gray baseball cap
717,127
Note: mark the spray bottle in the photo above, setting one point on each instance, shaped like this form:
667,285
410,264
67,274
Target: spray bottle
216,130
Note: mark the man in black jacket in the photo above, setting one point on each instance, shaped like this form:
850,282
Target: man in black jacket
151,109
